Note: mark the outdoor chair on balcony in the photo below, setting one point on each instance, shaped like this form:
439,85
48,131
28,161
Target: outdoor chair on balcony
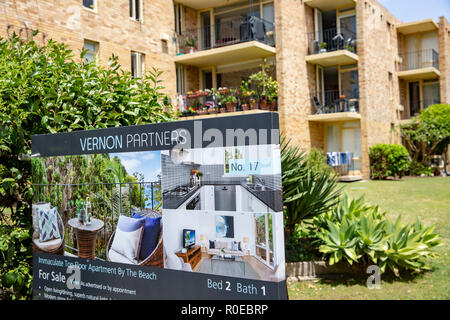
318,106
53,246
154,259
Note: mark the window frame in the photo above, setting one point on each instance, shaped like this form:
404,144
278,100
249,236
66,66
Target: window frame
140,64
94,9
132,4
96,52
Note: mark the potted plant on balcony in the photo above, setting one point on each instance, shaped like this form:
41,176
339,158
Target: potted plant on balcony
189,43
323,47
231,103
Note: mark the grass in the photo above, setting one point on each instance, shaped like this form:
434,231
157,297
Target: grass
425,198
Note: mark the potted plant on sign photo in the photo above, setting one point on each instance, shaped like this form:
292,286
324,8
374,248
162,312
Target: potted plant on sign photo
323,47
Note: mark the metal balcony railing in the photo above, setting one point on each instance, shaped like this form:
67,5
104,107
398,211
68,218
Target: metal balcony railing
419,59
223,100
416,105
108,201
227,33
331,40
333,101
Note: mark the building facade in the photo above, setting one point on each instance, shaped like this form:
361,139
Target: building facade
348,71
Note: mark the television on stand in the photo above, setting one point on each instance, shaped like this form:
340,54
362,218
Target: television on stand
188,238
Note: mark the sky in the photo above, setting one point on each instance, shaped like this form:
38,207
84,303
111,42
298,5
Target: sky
147,163
411,10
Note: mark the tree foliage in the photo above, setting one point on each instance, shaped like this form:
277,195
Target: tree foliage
43,89
428,133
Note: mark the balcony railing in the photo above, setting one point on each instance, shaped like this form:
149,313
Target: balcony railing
227,33
419,59
343,163
108,201
224,100
416,105
330,40
333,101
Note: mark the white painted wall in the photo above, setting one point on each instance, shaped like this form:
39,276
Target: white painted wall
204,222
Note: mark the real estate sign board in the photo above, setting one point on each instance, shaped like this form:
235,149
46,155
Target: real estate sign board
179,210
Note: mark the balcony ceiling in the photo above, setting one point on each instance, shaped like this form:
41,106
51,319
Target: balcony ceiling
326,5
419,74
203,4
333,58
227,55
332,117
426,25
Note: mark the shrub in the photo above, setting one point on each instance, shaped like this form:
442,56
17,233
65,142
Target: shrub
44,90
388,160
357,233
306,192
317,161
417,169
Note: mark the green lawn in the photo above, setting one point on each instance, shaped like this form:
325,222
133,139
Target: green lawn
425,198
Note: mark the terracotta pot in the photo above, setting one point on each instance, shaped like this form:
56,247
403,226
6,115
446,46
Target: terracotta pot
230,106
245,107
222,109
272,106
263,105
253,105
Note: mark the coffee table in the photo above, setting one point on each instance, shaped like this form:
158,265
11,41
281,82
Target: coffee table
232,265
86,236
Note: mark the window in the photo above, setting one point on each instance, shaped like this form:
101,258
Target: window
137,64
164,46
391,85
90,4
136,10
178,18
388,27
91,51
180,79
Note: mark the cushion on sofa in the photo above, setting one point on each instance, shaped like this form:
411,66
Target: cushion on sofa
235,246
117,257
128,236
152,228
35,218
173,262
48,224
212,244
48,245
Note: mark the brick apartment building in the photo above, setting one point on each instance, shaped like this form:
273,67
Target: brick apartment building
348,71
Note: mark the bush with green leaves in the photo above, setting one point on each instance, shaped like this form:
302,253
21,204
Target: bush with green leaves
388,160
43,89
428,133
357,233
417,168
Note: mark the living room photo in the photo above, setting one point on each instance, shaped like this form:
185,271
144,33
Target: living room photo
236,244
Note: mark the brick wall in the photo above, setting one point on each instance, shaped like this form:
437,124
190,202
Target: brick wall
376,59
69,22
444,59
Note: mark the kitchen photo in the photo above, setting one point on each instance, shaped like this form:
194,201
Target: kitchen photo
243,178
222,211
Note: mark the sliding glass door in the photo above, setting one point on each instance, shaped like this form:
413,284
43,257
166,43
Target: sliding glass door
264,238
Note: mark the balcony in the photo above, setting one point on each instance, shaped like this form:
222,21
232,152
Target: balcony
203,4
223,102
330,47
415,106
227,42
419,65
421,26
335,106
327,5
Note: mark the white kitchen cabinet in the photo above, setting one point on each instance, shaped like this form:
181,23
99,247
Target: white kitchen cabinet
249,202
207,198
